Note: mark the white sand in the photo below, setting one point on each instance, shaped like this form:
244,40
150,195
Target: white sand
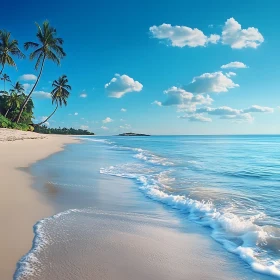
20,206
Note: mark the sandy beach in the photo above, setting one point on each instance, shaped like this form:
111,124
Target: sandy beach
20,206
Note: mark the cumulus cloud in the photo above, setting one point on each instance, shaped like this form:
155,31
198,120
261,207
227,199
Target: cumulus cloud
244,117
176,96
28,77
104,128
196,118
107,120
220,111
27,86
43,118
230,74
258,109
125,127
240,115
181,36
76,114
84,127
41,94
239,38
181,98
211,82
158,103
234,64
225,112
123,110
83,95
122,84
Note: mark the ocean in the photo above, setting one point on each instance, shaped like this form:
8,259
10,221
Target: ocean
225,188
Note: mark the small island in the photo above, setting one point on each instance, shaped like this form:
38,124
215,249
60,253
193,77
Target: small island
133,134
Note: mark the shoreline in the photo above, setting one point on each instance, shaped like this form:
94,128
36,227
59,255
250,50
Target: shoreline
20,205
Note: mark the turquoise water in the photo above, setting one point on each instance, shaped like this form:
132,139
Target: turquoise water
228,184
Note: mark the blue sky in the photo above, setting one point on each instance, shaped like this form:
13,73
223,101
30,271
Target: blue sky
159,62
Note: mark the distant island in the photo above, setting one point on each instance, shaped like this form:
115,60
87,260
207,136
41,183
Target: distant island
133,134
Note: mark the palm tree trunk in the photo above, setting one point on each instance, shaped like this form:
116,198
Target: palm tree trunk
28,96
49,116
8,111
2,69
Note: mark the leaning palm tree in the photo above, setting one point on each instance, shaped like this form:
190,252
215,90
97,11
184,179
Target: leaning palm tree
49,47
60,94
8,48
5,78
13,101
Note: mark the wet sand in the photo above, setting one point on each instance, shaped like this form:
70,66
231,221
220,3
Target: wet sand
20,205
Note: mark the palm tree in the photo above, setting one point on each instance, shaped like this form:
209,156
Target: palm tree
5,78
49,47
13,101
60,94
18,87
8,48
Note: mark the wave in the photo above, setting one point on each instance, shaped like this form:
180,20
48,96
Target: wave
98,140
29,264
251,242
144,155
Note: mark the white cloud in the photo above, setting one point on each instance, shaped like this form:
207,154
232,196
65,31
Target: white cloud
43,118
84,127
258,109
239,38
27,86
76,114
225,112
158,103
180,97
83,95
41,94
211,82
177,96
220,111
181,36
230,74
244,117
123,110
234,64
28,77
184,100
196,118
107,120
122,84
125,127
104,128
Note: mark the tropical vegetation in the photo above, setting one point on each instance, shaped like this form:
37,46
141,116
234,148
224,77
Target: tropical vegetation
67,131
16,105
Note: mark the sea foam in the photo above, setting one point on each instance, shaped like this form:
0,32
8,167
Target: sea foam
238,235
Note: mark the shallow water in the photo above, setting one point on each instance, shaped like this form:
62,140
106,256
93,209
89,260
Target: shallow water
227,186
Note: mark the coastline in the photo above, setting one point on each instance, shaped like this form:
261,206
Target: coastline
20,205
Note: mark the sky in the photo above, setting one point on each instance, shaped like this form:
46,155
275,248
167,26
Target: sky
157,67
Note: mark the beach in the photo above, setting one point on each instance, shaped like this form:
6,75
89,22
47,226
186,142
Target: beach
110,208
20,206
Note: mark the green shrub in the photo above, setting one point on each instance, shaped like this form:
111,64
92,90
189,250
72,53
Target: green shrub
5,123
